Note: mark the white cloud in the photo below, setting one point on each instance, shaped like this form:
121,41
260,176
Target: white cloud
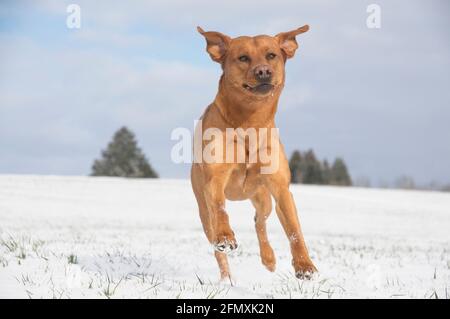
63,99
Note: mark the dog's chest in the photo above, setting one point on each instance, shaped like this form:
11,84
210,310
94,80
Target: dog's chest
243,182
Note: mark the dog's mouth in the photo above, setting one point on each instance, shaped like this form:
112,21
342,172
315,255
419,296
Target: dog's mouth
262,88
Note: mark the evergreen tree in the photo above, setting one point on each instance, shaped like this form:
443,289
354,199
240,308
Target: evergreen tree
339,173
295,164
326,173
312,172
307,169
123,158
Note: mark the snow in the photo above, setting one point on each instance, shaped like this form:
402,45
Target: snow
91,237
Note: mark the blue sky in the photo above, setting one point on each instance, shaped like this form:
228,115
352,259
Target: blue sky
377,97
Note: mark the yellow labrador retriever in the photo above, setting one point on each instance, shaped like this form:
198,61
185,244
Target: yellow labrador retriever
249,89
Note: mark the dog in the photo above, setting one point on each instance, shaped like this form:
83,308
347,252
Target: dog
249,89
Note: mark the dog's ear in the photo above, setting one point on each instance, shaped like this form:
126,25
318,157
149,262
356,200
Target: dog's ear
287,41
216,44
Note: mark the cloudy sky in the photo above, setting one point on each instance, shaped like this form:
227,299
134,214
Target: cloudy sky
380,98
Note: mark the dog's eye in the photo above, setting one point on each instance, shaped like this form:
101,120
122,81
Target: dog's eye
271,56
244,58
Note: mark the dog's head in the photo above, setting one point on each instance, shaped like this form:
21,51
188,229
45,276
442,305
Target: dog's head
253,65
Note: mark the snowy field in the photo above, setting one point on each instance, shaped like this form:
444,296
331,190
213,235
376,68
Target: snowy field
71,237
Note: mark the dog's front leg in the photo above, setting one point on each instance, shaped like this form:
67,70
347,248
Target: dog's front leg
287,213
224,240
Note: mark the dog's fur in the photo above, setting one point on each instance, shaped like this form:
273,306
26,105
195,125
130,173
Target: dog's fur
243,102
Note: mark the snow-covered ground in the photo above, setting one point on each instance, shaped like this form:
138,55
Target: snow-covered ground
68,237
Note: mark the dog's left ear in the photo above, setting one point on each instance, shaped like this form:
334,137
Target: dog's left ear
216,44
287,41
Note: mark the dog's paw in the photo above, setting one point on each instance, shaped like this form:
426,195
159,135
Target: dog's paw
304,274
225,244
305,271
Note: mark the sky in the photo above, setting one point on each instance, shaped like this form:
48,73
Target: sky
379,97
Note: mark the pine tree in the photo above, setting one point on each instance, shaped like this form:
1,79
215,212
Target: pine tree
312,172
307,169
326,173
295,164
123,158
339,173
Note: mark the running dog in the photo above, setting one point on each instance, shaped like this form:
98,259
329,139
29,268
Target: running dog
249,89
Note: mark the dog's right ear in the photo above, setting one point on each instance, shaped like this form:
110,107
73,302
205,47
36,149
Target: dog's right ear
216,44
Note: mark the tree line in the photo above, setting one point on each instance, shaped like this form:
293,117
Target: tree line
307,169
124,158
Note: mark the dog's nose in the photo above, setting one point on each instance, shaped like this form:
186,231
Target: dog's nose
262,73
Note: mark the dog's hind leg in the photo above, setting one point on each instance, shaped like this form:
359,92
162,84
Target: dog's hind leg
262,202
